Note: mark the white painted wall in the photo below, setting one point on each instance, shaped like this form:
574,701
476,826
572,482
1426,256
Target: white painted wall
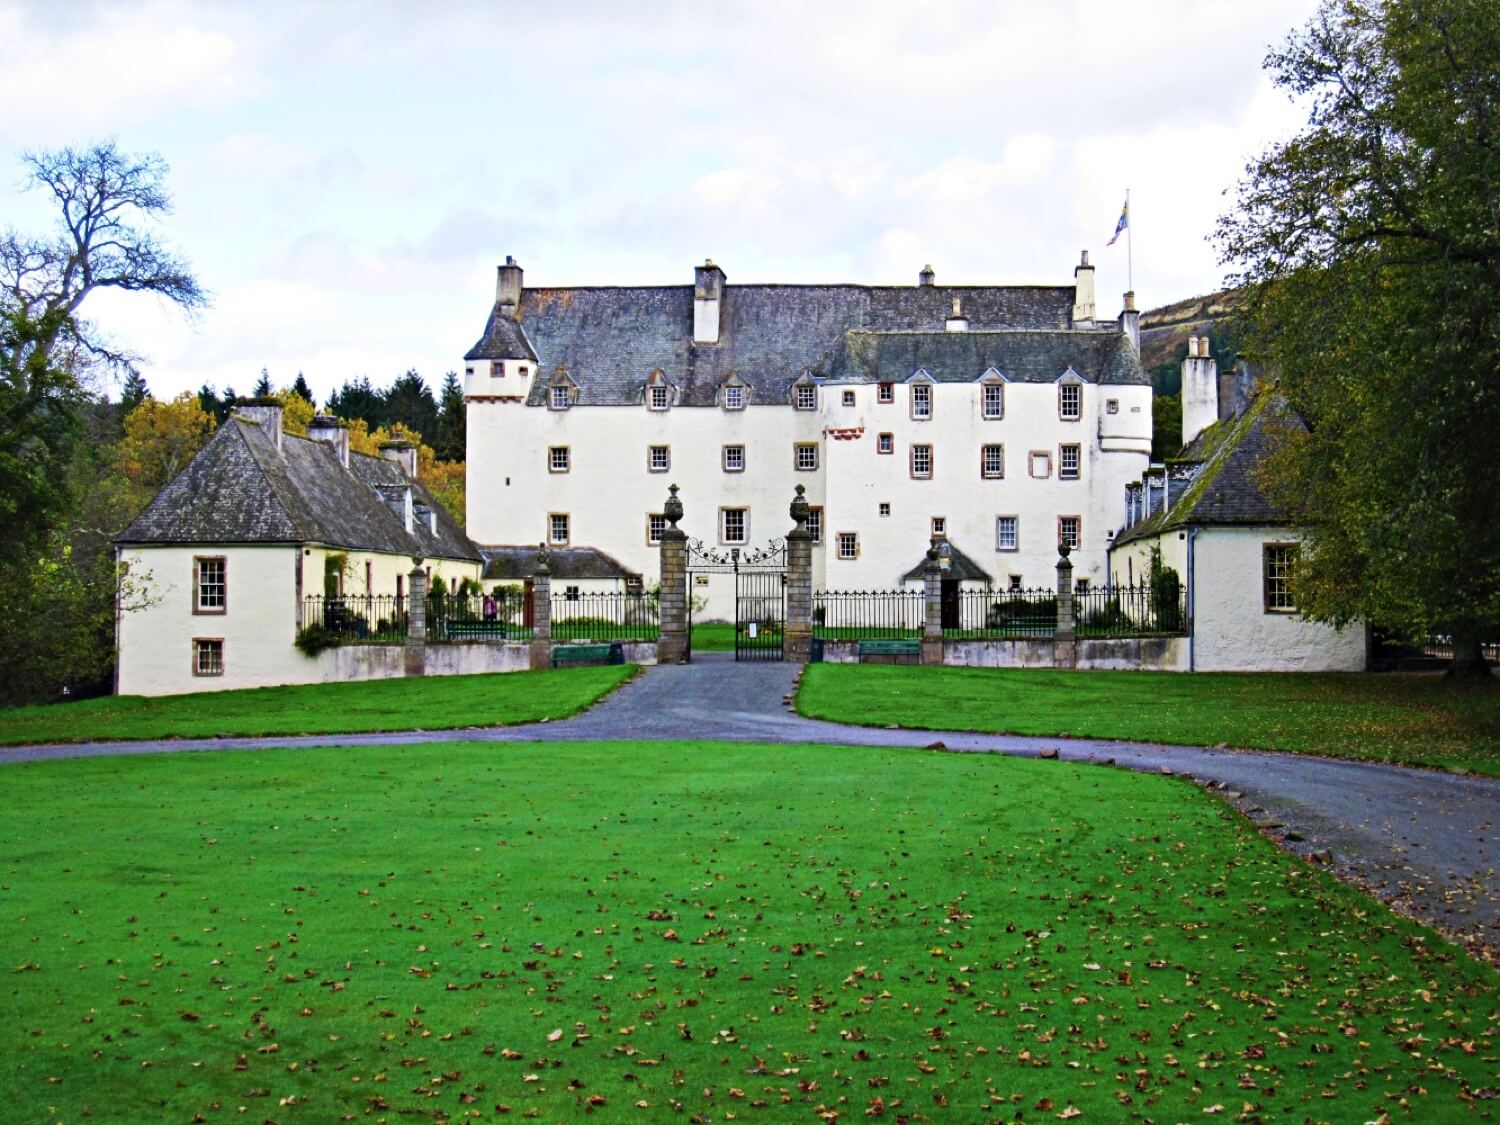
1234,633
609,491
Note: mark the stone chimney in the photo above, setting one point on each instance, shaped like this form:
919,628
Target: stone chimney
264,412
708,300
327,428
508,286
1130,322
957,321
1083,290
1200,389
926,279
404,453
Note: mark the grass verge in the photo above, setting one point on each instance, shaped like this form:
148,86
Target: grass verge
424,703
630,931
1407,719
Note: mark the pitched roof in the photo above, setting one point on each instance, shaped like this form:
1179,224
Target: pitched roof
1225,489
503,338
504,561
961,567
610,339
241,489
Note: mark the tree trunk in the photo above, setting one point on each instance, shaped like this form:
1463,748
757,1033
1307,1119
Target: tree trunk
1468,657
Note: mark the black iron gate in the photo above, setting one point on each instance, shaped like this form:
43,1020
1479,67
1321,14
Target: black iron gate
759,578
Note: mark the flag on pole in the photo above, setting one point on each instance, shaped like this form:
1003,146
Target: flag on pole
1122,224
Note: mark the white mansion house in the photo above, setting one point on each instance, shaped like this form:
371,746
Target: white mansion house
1005,419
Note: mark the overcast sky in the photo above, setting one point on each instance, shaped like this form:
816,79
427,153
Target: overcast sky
347,175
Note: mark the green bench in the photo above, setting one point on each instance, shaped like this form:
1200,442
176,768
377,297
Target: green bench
579,656
892,651
468,630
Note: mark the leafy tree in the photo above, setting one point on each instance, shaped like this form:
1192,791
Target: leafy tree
133,393
162,437
444,479
410,402
1371,242
263,387
450,441
1166,426
208,398
358,399
302,390
296,412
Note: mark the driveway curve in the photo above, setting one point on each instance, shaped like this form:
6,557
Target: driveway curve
1419,839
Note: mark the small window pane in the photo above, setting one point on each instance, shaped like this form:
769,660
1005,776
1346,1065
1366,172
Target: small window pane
1067,530
807,458
734,524
886,443
560,398
994,400
1070,401
807,397
921,461
558,458
815,524
1279,560
659,458
1067,462
734,458
885,392
658,398
211,585
848,545
734,398
656,527
885,507
208,658
992,462
557,527
921,400
1006,533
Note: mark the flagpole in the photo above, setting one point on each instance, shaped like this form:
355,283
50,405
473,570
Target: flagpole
1129,246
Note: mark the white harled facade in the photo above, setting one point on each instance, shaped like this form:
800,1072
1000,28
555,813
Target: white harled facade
1003,419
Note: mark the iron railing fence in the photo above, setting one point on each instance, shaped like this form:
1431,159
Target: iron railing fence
1441,647
1138,610
477,617
868,615
604,616
996,614
356,618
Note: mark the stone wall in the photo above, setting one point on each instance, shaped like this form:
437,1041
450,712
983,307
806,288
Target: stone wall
1144,654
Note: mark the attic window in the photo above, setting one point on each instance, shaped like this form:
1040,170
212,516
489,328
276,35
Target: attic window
560,399
734,398
1070,402
807,396
921,400
994,400
658,397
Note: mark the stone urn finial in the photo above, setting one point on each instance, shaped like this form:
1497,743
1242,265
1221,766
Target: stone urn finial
543,559
1063,550
673,507
800,509
934,555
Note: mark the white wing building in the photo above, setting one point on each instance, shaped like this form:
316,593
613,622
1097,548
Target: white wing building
1004,419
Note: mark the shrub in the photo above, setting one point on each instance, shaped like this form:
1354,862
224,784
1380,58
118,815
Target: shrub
314,639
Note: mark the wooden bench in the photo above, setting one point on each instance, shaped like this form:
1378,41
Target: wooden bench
889,652
467,630
579,656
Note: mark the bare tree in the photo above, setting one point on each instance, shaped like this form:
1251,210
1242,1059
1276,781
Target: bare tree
106,200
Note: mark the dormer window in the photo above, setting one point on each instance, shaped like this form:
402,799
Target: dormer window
921,400
560,398
734,398
807,396
657,397
1070,402
994,400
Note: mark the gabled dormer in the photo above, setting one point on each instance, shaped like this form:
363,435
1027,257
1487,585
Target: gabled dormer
562,390
1070,386
803,393
919,393
658,392
734,393
992,394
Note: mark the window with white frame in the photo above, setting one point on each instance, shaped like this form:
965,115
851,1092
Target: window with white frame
1277,561
848,398
992,462
939,527
656,527
921,400
572,594
885,443
210,584
208,656
1068,457
734,398
1007,533
807,396
1068,531
885,392
734,458
1070,402
658,396
560,398
848,544
1041,464
994,400
805,457
559,460
558,528
659,458
921,461
734,525
815,524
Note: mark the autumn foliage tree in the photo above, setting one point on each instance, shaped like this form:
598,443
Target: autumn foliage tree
161,438
1371,245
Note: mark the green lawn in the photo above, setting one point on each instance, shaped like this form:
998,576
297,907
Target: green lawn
427,703
715,636
636,931
1416,720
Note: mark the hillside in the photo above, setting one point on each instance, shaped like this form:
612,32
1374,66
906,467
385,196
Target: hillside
1165,330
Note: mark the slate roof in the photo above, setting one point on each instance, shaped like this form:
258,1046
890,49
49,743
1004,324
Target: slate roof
1225,490
240,489
503,338
502,561
962,567
610,339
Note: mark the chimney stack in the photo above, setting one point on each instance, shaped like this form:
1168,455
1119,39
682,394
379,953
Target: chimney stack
508,287
264,412
708,302
1130,321
326,428
926,279
404,453
1200,389
1083,290
957,322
